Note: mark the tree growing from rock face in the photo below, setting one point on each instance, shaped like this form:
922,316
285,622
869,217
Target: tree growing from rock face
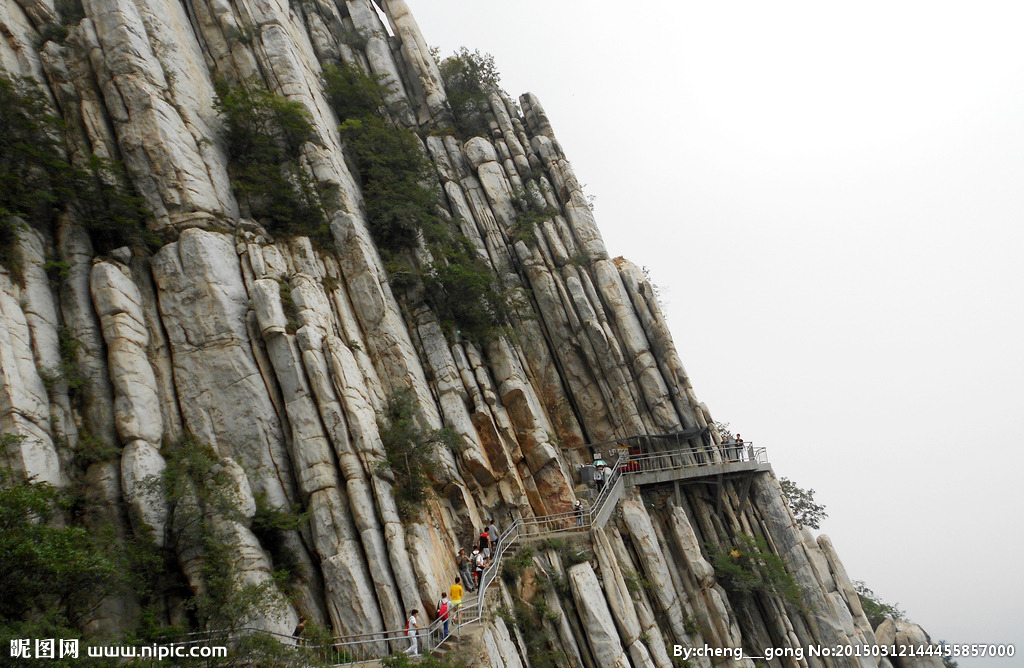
801,502
748,566
52,572
469,80
38,180
409,449
264,134
875,609
402,198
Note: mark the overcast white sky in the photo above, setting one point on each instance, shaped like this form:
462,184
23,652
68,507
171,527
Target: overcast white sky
831,196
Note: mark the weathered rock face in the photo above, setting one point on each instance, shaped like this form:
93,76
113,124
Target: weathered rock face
897,633
279,355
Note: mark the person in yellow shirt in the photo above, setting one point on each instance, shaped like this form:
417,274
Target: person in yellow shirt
455,596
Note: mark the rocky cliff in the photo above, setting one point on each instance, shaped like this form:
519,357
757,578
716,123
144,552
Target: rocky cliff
280,352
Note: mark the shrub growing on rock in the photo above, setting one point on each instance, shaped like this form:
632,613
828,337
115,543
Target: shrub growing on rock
469,79
747,565
264,135
352,92
875,608
409,449
402,202
801,502
37,181
393,172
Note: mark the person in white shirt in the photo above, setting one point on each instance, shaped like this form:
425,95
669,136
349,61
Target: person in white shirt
412,630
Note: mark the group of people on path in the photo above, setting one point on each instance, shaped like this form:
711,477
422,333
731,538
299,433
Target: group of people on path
447,608
472,566
732,448
471,569
602,473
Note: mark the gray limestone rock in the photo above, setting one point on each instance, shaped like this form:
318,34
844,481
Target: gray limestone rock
893,632
597,618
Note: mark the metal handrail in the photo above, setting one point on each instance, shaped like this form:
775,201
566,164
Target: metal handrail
368,646
666,461
563,522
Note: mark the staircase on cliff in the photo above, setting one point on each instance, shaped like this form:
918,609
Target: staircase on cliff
636,464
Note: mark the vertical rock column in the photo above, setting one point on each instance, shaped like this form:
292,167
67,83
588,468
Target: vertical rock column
136,404
597,618
351,602
417,56
24,406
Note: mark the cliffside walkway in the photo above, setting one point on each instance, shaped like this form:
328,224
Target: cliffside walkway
637,461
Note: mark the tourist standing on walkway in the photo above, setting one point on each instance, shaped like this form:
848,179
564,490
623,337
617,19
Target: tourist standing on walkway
455,595
412,630
485,544
442,613
478,566
578,511
465,565
492,531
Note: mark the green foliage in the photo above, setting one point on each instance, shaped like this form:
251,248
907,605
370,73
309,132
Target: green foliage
269,652
947,661
393,171
270,518
10,256
748,566
290,308
425,661
270,524
524,227
37,181
513,566
469,79
465,293
402,201
354,39
34,175
264,135
571,553
690,625
113,213
353,93
875,609
409,450
635,582
92,449
57,271
529,618
199,490
560,584
69,14
70,350
505,614
52,574
70,11
70,370
801,502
